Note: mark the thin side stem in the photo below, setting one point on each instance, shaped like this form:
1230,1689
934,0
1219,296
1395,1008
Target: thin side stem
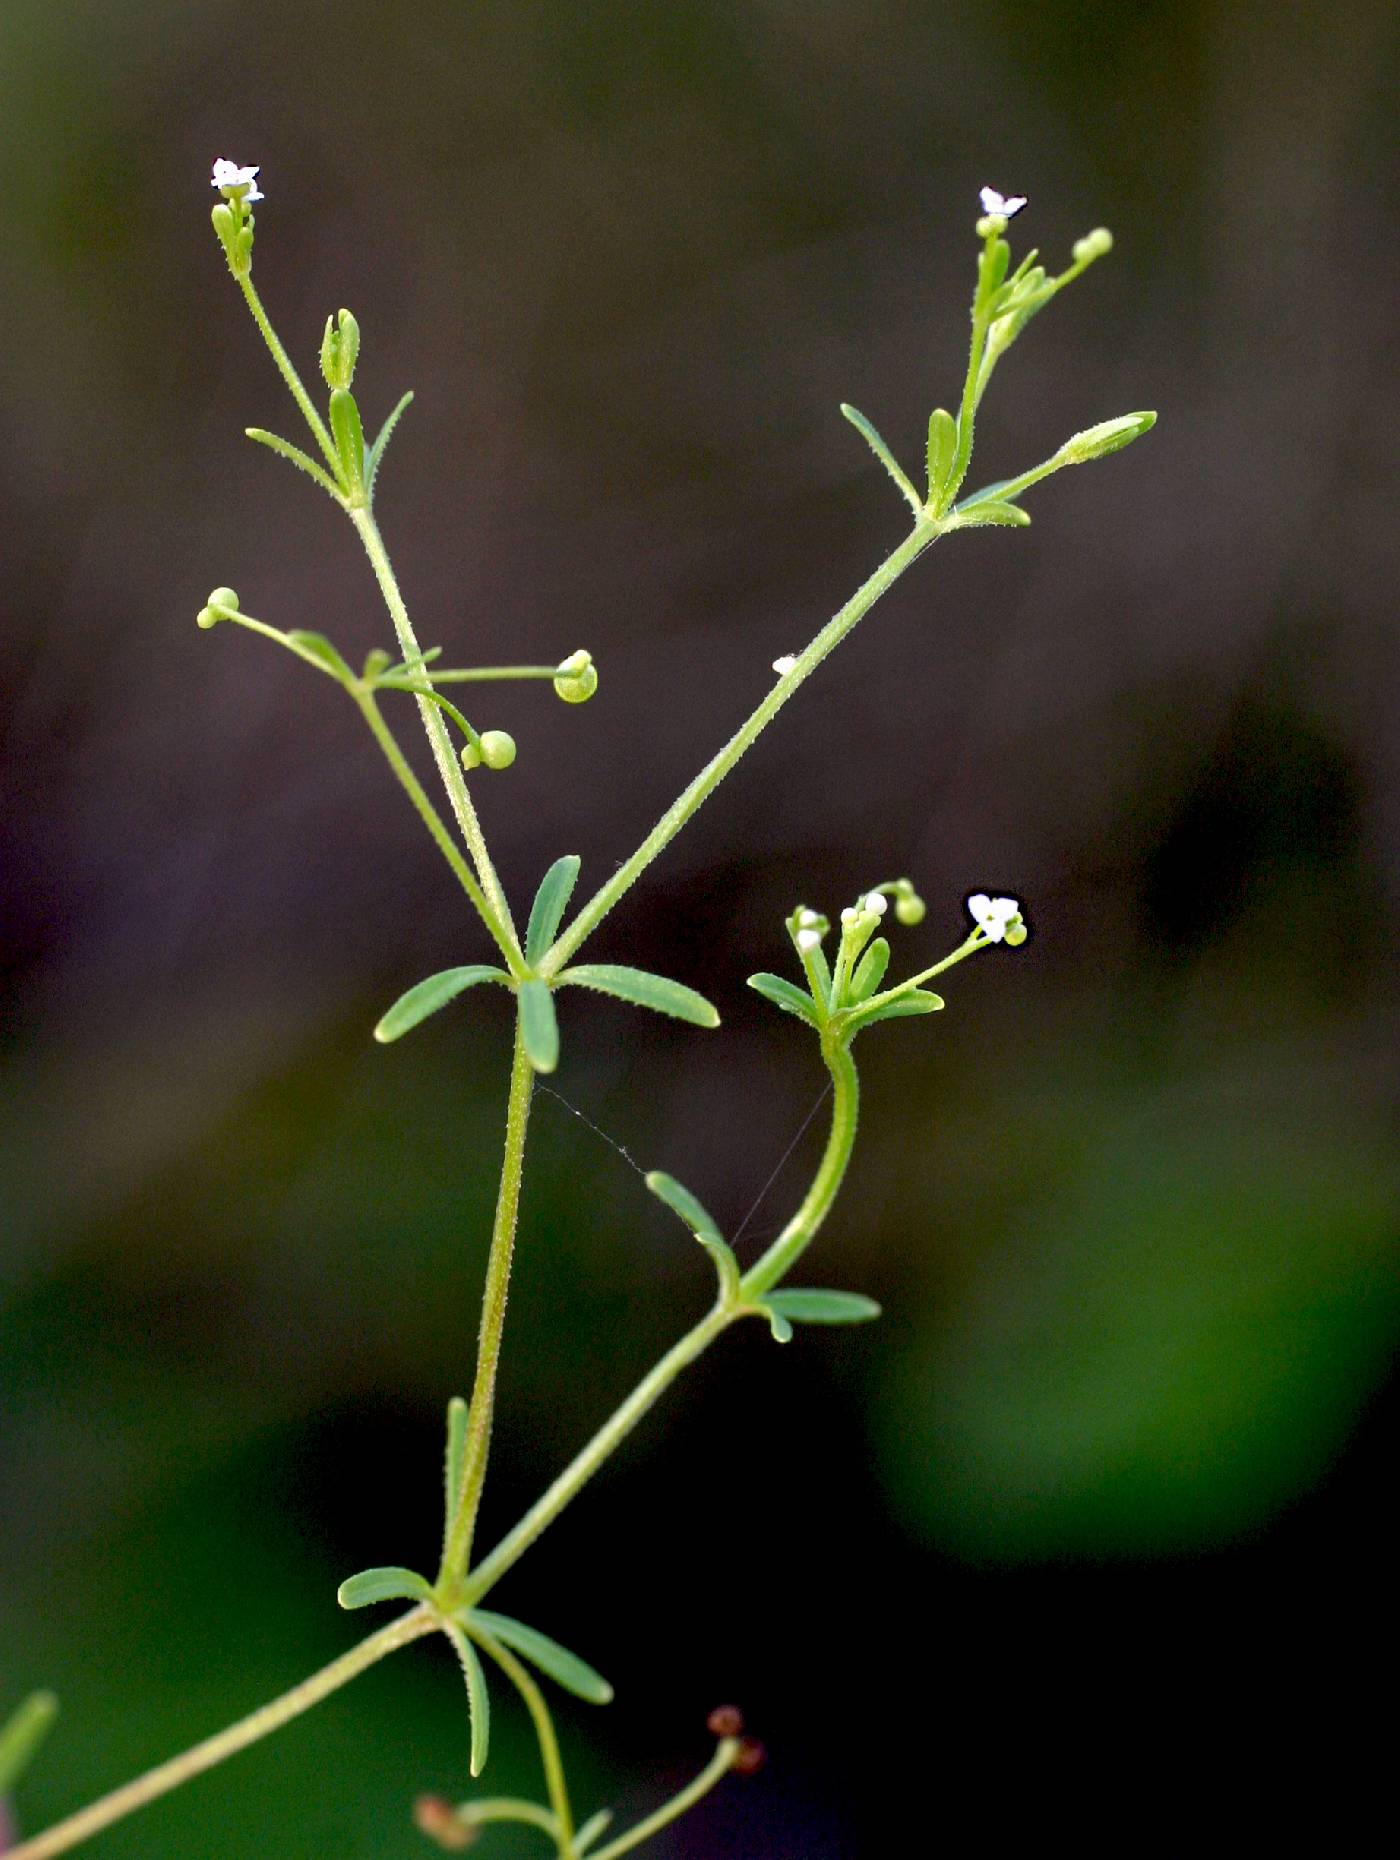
290,375
978,940
801,1230
432,820
718,1766
483,674
214,1750
449,768
550,1759
481,1408
719,766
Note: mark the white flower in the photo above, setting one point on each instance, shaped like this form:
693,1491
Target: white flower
228,174
1005,206
808,940
993,915
876,902
784,665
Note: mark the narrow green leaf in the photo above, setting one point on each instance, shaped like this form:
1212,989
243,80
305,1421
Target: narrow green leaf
565,1668
349,438
988,494
591,1829
295,456
883,453
870,970
22,1734
702,1224
777,1323
980,516
920,1001
680,1200
478,1699
538,1026
643,989
317,647
942,449
376,451
810,1307
785,995
382,1585
427,996
457,1415
551,901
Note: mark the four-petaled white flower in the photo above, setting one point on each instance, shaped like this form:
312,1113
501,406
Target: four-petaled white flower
993,916
228,174
782,666
1005,206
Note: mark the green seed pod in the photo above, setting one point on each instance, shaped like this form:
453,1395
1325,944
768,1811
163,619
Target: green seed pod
1093,245
1016,933
224,597
497,749
471,757
576,678
1096,442
909,907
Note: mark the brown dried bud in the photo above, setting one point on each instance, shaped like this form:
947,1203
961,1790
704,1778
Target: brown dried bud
435,1816
752,1756
725,1721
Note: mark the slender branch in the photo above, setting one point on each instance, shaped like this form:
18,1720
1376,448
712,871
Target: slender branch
477,1447
719,766
801,1230
449,768
289,374
718,1766
430,817
550,1759
217,1749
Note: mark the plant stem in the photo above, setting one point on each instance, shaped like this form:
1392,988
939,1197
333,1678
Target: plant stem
217,1749
289,374
550,1759
800,1231
719,766
449,768
718,1766
457,1552
430,817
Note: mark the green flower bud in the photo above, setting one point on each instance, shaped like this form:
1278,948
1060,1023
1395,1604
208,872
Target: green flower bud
909,907
377,660
1093,245
497,749
340,350
224,597
576,678
1096,442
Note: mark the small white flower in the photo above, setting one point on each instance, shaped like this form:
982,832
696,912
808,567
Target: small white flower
992,915
876,902
1005,206
782,666
808,940
228,174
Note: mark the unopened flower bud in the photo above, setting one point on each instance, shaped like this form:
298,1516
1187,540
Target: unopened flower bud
377,660
1096,442
1093,245
785,663
576,678
435,1816
751,1756
808,940
725,1721
340,350
909,907
877,902
210,614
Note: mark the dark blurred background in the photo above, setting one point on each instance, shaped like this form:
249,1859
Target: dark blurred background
1101,1502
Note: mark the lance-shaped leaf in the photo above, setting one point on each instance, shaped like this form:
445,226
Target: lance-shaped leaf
376,451
981,515
565,1668
883,453
813,1307
295,456
942,449
21,1736
785,995
426,997
870,970
383,1585
657,992
349,439
457,1415
317,647
701,1223
551,901
591,1829
539,1026
478,1699
918,1001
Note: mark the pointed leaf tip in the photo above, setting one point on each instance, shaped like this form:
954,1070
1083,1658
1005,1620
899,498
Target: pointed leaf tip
565,1668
